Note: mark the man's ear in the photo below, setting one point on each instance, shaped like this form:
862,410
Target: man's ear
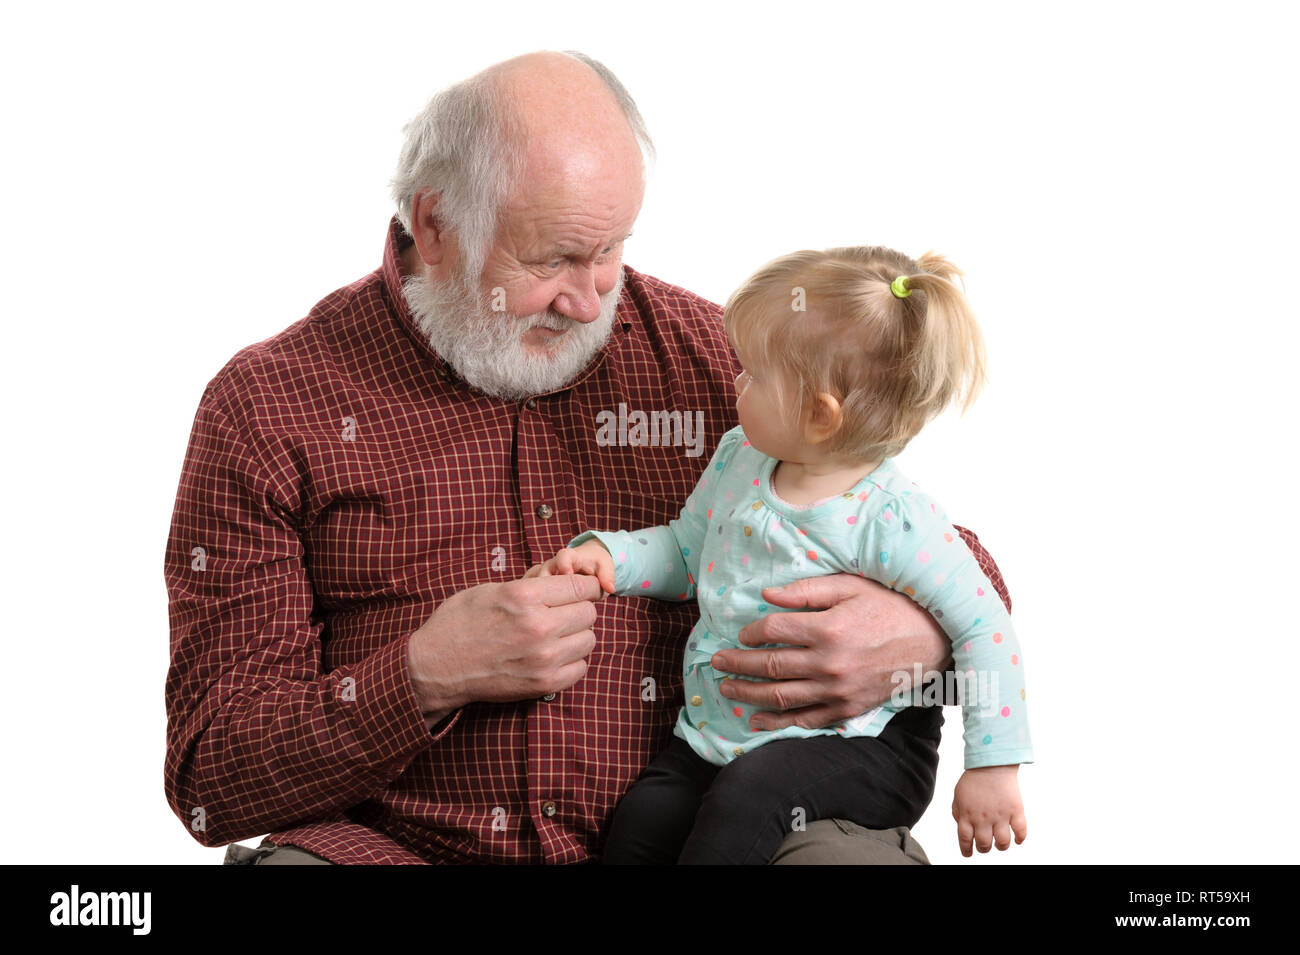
431,239
824,418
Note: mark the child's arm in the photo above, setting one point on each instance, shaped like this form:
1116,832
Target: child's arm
916,550
922,555
663,562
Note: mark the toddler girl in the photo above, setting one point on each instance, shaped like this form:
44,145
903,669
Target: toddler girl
846,354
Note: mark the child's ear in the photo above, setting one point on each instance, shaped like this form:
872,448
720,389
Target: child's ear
824,418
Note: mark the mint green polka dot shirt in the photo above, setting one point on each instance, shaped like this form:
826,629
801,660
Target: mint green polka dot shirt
735,537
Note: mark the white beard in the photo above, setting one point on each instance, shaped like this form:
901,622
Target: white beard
486,347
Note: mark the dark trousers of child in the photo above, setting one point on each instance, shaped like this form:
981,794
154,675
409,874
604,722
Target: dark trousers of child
684,810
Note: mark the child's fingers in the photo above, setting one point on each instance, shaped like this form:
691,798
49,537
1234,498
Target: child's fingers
590,563
984,837
603,576
965,836
1019,827
586,564
1002,836
604,571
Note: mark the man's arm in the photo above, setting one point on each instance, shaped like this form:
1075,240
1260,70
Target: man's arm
841,661
258,737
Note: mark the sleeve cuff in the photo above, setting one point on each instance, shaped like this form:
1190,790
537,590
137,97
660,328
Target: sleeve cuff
1006,757
383,712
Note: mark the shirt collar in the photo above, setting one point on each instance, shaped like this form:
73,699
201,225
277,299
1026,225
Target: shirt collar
398,241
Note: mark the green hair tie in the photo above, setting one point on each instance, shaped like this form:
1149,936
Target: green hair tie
899,287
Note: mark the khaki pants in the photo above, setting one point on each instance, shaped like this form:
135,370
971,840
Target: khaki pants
824,842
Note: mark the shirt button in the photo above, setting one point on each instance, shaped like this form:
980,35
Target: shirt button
544,511
530,403
548,808
739,751
548,697
696,700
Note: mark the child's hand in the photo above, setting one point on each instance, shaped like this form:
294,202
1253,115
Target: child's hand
988,809
589,557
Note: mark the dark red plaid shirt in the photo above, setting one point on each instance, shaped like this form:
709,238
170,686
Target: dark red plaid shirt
340,482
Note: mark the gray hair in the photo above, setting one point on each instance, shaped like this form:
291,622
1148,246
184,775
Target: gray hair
467,145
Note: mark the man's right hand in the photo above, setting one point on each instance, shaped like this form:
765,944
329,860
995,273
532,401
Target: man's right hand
500,642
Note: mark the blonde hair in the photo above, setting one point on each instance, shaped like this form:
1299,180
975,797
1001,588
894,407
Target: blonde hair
892,363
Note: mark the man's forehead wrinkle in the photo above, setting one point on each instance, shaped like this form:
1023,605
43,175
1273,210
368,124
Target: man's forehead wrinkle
598,192
544,232
581,198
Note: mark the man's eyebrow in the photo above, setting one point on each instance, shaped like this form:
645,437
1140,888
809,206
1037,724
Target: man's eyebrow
563,251
619,240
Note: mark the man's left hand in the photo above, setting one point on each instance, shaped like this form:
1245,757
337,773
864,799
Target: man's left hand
840,661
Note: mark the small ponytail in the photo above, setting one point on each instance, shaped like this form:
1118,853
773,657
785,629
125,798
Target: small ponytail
948,361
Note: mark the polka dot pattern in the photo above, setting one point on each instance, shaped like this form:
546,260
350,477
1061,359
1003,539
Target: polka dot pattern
887,533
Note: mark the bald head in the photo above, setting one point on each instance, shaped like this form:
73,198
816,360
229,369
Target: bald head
537,118
569,119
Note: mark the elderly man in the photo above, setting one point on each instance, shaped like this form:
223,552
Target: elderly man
357,666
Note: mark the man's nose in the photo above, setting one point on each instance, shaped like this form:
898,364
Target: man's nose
579,299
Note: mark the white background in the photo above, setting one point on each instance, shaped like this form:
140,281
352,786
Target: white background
1117,180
